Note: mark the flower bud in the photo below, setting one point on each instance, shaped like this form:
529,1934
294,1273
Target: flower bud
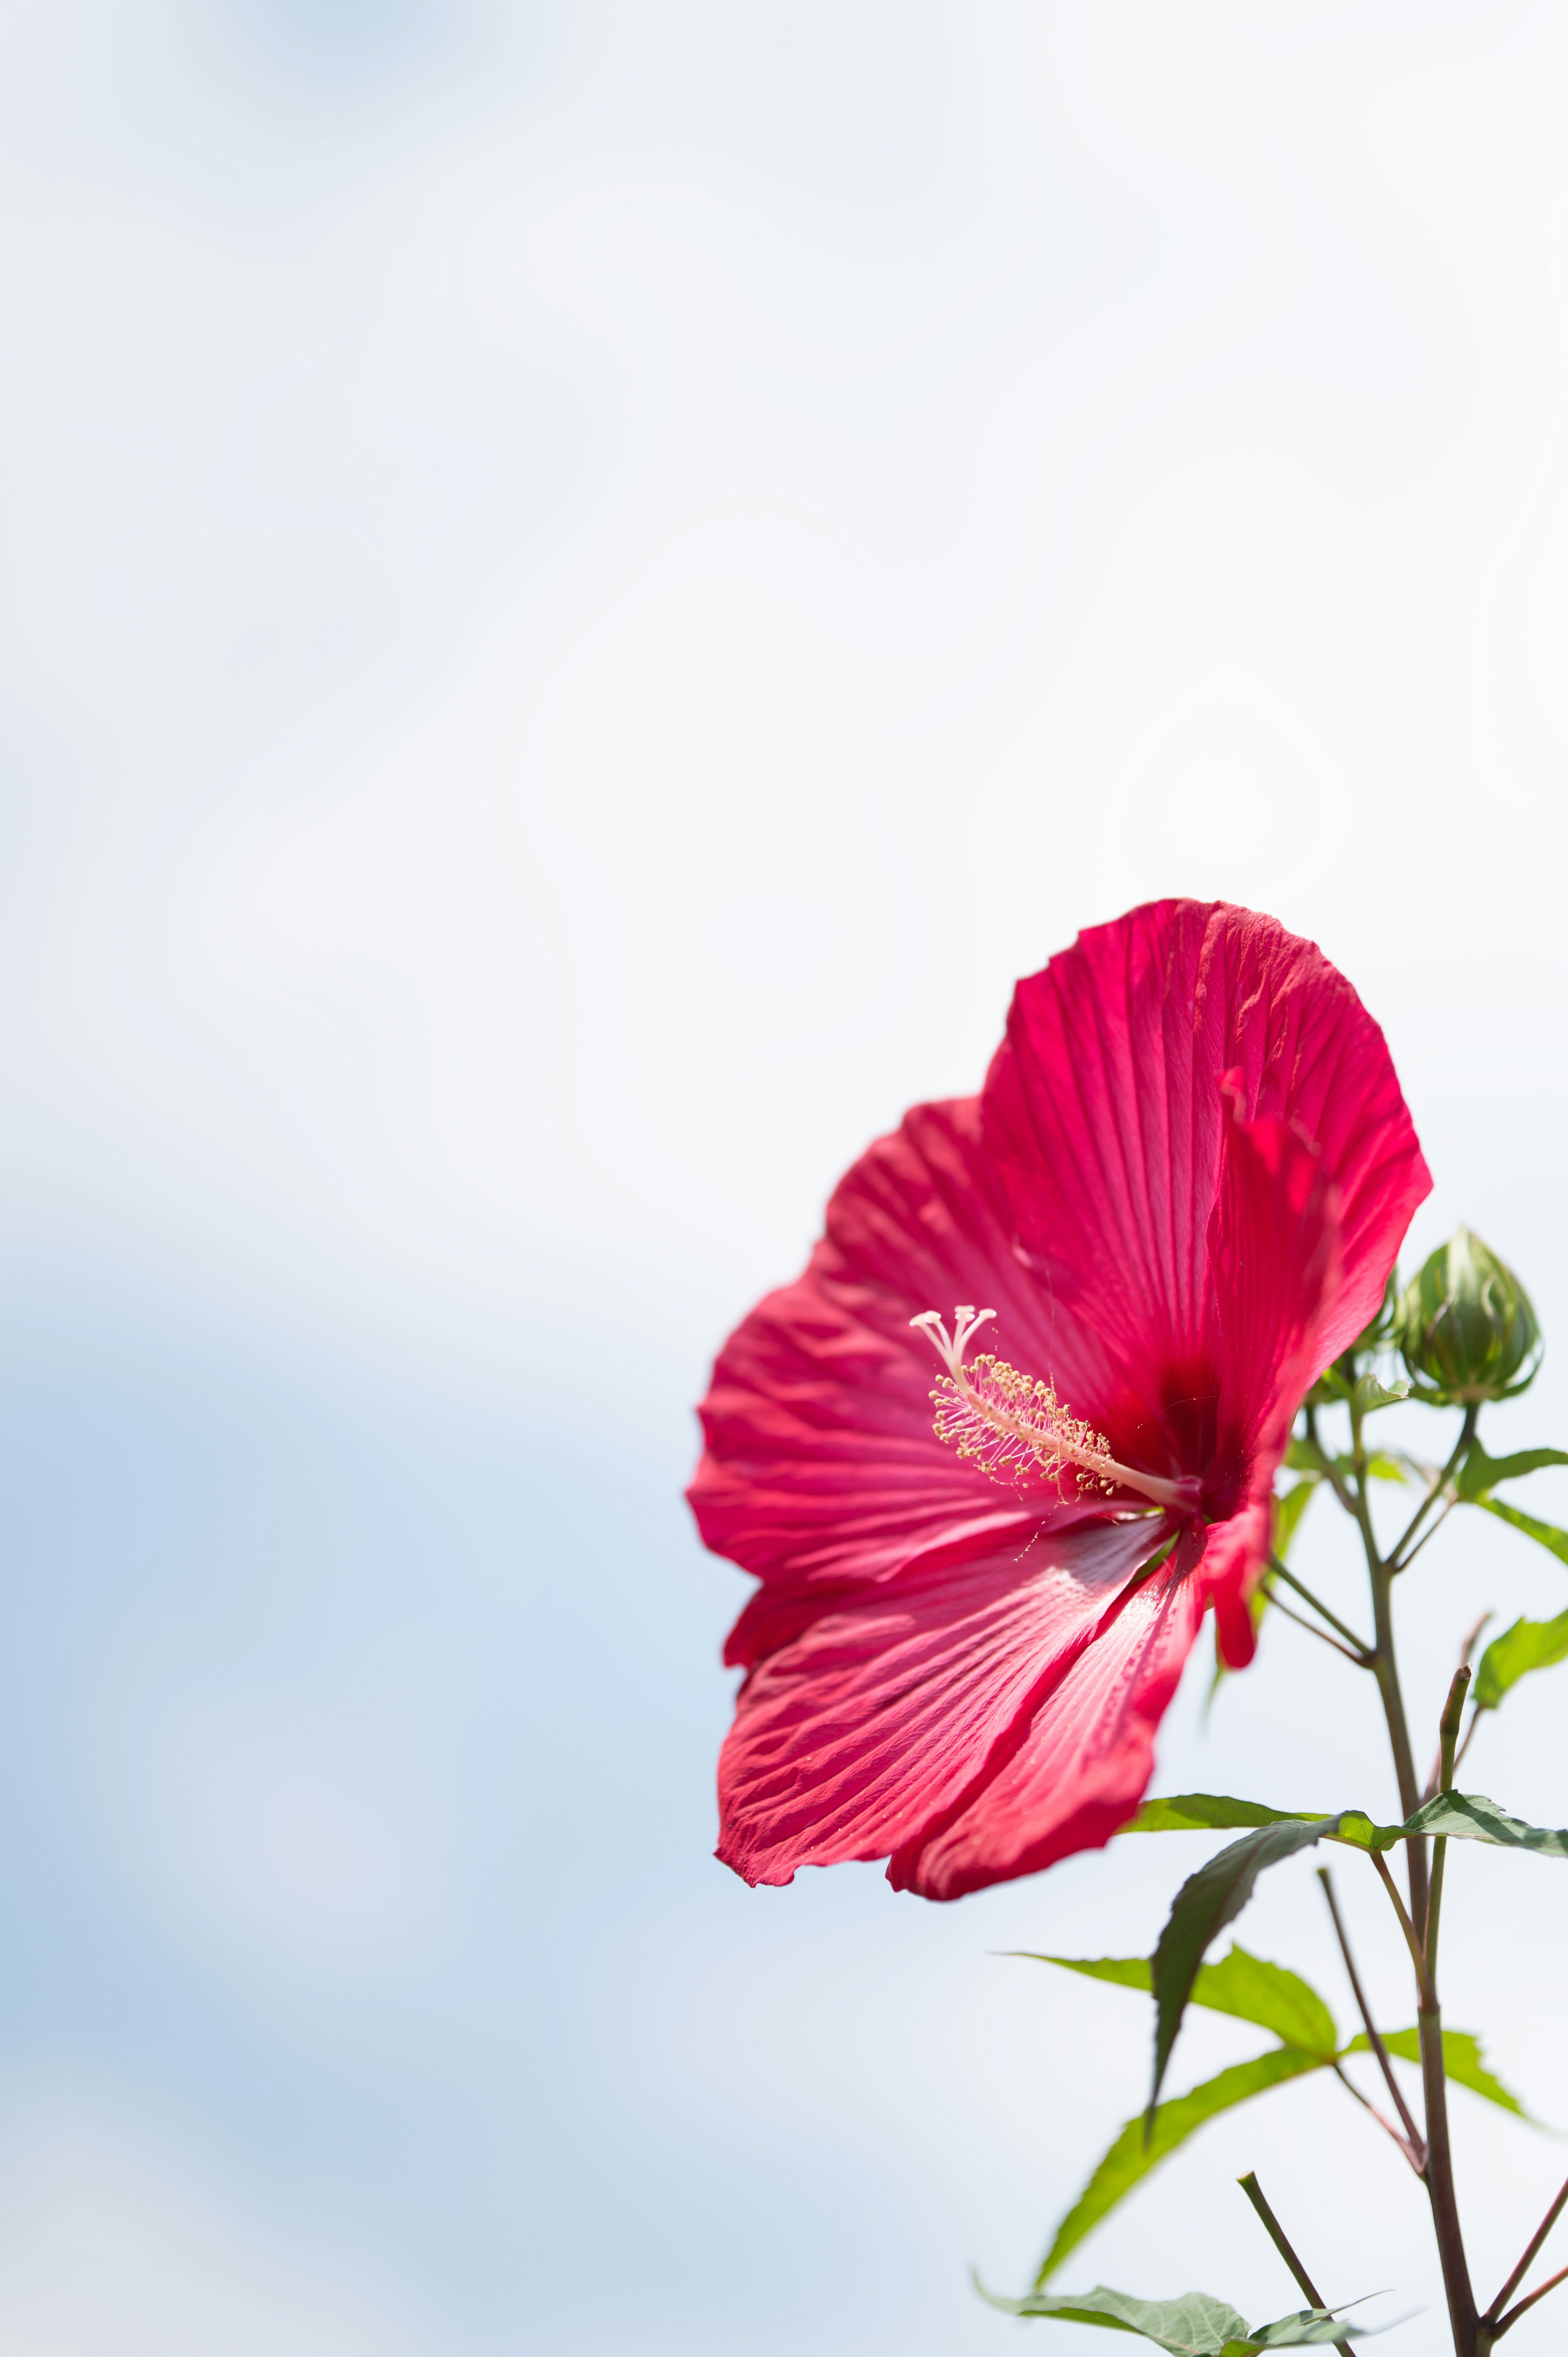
1464,1327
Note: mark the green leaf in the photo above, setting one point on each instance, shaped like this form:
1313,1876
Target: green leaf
1469,1816
1528,1645
1132,2156
1309,2328
1369,1394
1247,1987
1253,1989
1192,1813
1464,1816
1193,2326
1305,1457
1481,1473
1206,1902
1461,2062
1546,1534
1288,1511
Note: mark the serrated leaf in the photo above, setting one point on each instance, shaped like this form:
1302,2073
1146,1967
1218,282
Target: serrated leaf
1481,1473
1469,1816
1248,1987
1192,1813
1132,2157
1528,1645
1193,2326
1206,1902
1546,1534
1461,2062
1465,1816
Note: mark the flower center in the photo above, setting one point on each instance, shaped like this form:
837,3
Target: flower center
1013,1424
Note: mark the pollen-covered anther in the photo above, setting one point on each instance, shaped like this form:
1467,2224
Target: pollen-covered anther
1012,1425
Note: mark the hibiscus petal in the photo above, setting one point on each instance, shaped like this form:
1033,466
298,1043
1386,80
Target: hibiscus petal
887,1714
1103,1108
1084,1760
822,1465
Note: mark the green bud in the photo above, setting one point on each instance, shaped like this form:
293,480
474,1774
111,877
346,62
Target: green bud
1464,1327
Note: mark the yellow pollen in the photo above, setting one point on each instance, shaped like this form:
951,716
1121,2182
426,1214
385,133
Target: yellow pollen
1012,1425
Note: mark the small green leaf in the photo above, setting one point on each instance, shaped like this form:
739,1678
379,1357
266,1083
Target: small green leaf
1132,2156
1546,1534
1369,1394
1192,1813
1528,1645
1461,2062
1206,1902
1247,1987
1309,2328
1305,1457
1481,1473
1469,1816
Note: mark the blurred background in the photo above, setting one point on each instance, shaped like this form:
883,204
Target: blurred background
584,585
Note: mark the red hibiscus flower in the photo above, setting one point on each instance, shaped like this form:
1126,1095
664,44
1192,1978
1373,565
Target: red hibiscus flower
1176,1199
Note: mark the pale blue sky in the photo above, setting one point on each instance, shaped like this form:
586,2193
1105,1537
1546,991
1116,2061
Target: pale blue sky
583,585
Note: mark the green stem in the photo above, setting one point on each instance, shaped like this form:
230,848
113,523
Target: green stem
1530,2249
1448,1737
1439,2170
1281,2241
1398,1559
1282,1571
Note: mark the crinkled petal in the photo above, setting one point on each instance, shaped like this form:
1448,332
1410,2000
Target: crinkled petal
1104,1111
821,1466
895,1708
1084,1758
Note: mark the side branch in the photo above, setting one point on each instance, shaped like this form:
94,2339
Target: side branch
1415,2144
1530,2249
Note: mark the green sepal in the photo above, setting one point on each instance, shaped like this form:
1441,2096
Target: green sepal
1480,1473
1461,2062
1249,1988
1528,1645
1136,2151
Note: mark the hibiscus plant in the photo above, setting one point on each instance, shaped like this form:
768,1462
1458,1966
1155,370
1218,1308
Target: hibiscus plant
1170,1219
